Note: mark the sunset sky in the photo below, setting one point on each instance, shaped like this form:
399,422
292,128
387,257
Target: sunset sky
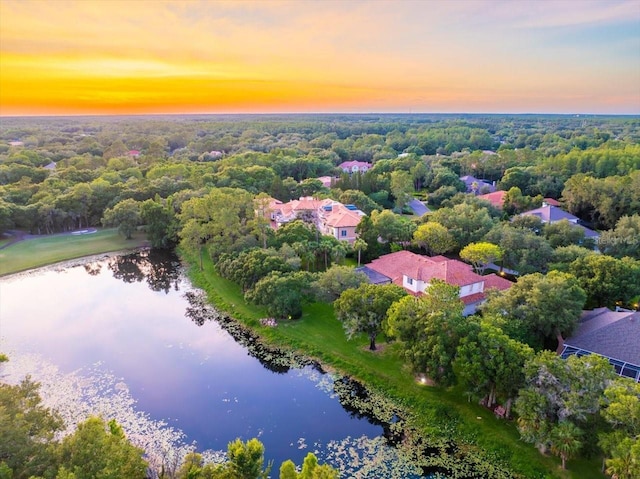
145,56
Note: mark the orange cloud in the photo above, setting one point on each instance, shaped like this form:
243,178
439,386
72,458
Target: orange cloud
201,56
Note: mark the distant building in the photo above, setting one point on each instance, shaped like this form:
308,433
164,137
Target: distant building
612,334
16,143
415,272
134,153
330,217
552,214
496,198
476,186
327,181
355,166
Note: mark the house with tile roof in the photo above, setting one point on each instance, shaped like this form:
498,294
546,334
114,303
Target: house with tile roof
355,166
496,198
304,208
330,217
612,334
338,220
415,272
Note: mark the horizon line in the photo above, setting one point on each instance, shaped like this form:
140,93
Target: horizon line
87,115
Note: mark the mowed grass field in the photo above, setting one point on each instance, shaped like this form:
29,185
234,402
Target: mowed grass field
46,250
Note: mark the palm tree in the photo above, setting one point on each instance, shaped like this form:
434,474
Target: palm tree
565,441
360,245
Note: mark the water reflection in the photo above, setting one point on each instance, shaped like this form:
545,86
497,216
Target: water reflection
160,269
212,383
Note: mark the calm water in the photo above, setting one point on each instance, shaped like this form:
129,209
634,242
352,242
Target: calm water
126,316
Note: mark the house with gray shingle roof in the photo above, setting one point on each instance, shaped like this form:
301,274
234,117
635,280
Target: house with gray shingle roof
552,214
612,334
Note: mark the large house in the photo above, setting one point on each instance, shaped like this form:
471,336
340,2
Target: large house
415,272
355,166
329,216
338,220
612,334
552,214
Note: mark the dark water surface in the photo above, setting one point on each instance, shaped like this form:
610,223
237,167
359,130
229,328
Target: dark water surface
127,315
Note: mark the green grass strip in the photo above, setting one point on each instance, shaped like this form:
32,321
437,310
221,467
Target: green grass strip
46,250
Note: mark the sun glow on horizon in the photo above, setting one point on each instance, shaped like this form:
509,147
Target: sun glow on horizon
113,57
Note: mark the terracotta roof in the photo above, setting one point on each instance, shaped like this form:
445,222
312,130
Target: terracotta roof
350,164
423,268
473,298
343,219
551,201
305,203
496,198
497,282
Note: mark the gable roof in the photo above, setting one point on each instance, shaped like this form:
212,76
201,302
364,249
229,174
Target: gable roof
551,214
614,334
469,180
422,268
350,164
496,282
496,198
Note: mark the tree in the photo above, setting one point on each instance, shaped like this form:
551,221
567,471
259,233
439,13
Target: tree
337,279
282,293
434,238
26,429
97,450
217,220
359,245
245,460
606,280
624,239
480,255
430,328
401,188
621,445
563,233
364,309
466,223
391,228
160,224
250,266
565,441
125,215
262,220
539,308
491,364
310,469
358,198
558,390
522,250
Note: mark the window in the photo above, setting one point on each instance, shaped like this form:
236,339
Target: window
343,233
409,280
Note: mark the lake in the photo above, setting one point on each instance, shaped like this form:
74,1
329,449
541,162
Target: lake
123,336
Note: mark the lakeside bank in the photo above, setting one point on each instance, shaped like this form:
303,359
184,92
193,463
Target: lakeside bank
460,435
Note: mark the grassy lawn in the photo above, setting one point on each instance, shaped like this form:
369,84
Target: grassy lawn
319,334
33,253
